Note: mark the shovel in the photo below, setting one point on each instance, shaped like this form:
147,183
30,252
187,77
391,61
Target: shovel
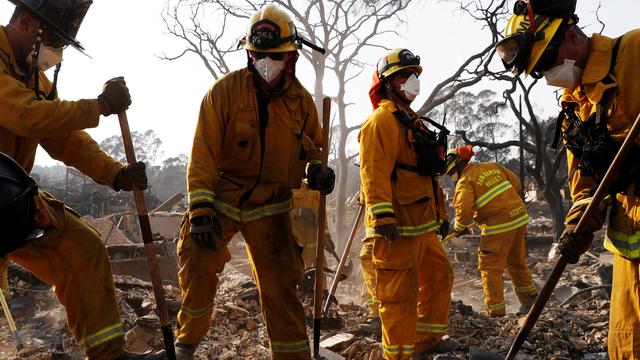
12,324
149,249
322,222
594,206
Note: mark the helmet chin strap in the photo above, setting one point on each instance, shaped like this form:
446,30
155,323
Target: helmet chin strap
35,68
393,94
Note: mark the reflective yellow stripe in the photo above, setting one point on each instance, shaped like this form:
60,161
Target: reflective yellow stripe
623,244
391,349
497,306
407,231
491,194
431,328
501,228
102,336
457,226
290,347
407,349
523,289
581,202
314,162
196,313
418,230
380,208
372,301
245,216
201,195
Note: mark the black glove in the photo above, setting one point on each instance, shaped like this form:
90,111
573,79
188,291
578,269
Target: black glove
320,180
572,244
444,229
131,174
388,231
205,230
115,96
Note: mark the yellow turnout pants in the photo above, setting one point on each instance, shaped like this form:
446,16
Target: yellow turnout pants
413,286
500,251
277,267
624,318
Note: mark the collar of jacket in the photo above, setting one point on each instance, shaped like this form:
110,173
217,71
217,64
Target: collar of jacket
391,106
6,55
595,70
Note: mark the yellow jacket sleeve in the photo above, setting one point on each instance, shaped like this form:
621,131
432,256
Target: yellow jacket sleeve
25,116
442,205
378,153
202,171
79,150
463,203
314,131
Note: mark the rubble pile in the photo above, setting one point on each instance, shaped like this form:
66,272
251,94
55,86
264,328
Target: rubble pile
574,325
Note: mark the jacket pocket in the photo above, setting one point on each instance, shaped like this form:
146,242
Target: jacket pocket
410,188
244,134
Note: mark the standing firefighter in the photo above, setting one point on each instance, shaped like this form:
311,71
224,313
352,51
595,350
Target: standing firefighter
601,98
399,162
258,129
70,256
488,194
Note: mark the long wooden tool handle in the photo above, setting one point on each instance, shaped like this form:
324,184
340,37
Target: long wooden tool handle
12,324
149,249
343,258
594,207
322,223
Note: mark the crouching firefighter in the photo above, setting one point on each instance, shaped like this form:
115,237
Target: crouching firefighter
257,131
601,99
70,256
488,193
400,159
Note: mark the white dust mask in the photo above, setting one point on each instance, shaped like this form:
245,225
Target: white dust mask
48,57
565,76
411,87
268,68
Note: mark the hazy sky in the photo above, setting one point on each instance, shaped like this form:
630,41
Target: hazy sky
125,37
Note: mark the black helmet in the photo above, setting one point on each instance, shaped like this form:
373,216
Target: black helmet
17,207
62,17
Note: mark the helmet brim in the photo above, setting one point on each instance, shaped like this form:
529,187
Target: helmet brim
50,24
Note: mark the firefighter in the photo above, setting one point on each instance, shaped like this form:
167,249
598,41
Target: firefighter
600,77
372,324
488,194
71,256
413,277
258,128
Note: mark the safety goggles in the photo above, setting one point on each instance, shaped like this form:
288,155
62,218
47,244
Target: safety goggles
514,51
405,58
265,35
263,54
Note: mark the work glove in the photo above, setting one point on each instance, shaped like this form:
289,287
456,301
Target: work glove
205,231
130,175
444,229
388,231
572,244
319,180
115,97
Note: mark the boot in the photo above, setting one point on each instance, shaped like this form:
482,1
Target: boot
373,326
184,351
445,345
160,355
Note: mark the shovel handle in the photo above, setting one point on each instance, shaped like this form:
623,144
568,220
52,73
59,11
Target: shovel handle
343,258
322,222
592,208
149,249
